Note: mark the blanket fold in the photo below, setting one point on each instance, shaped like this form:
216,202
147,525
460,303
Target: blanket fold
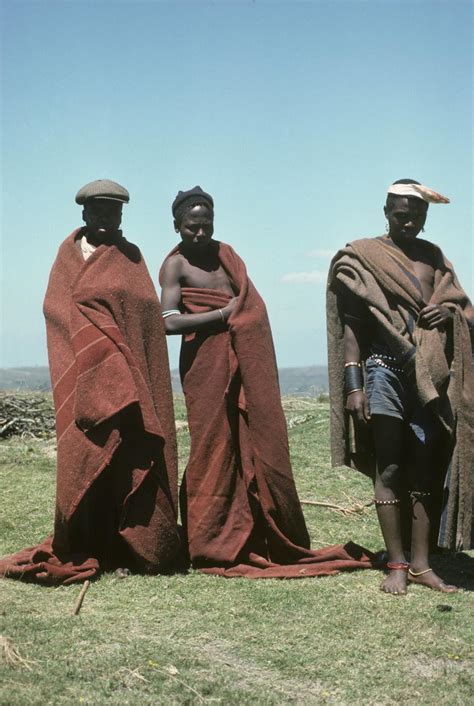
116,492
439,363
239,503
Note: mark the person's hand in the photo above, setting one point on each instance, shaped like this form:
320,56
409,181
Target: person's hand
358,405
434,315
229,308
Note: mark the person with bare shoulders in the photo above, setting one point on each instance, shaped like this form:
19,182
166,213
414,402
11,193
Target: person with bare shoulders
239,506
401,385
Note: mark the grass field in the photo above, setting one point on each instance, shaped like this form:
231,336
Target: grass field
198,639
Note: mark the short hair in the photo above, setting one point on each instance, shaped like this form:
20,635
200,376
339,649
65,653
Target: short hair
188,204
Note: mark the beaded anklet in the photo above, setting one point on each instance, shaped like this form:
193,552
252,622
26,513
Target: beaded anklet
398,565
419,494
395,501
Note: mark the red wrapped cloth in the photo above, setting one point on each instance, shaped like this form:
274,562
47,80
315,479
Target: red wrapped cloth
116,467
239,504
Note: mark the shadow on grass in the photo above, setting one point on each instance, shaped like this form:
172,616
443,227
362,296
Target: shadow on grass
457,569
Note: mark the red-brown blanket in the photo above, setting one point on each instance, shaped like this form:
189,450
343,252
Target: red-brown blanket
239,503
116,466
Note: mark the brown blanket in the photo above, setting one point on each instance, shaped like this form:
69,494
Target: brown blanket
439,364
239,503
116,465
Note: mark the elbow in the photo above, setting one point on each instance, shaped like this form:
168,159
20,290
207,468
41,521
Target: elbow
170,326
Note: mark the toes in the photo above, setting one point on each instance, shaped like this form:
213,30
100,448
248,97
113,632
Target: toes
392,591
446,588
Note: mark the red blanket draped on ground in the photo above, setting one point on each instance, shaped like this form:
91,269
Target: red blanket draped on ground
116,466
239,503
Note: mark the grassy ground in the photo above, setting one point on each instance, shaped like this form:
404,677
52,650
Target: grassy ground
198,639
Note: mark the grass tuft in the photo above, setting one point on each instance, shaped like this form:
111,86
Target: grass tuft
201,639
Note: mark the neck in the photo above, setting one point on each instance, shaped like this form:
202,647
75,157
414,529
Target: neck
203,258
402,242
106,238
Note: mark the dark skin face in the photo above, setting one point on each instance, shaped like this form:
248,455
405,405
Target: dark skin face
196,265
406,217
102,218
196,229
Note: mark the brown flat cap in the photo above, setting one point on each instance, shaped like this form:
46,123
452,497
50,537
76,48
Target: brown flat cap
102,189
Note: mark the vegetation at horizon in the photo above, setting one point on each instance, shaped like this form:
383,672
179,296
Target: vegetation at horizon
307,381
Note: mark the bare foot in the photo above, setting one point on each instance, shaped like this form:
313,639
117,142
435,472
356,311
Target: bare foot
395,583
432,580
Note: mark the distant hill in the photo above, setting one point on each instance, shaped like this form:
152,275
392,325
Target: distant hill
36,378
304,382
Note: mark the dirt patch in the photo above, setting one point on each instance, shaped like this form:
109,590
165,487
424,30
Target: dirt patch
296,691
435,667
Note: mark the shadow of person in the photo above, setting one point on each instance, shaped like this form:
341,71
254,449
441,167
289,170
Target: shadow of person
456,569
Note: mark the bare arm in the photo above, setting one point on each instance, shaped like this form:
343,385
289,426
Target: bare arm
356,402
171,299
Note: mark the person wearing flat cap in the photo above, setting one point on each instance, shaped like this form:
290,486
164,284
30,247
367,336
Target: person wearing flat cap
401,386
102,202
116,499
239,505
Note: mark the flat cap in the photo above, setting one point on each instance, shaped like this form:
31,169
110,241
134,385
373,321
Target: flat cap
196,194
102,189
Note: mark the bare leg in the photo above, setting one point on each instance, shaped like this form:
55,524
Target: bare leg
420,570
389,437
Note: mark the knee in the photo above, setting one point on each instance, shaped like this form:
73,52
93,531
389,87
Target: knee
389,476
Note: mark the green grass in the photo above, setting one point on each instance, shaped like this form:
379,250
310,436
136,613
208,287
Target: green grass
200,639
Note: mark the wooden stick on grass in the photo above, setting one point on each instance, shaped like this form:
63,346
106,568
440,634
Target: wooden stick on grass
332,506
80,598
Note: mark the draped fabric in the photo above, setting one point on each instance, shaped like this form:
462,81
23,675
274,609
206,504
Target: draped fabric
239,504
438,362
116,493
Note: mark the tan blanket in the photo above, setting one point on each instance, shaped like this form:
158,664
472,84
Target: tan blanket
380,275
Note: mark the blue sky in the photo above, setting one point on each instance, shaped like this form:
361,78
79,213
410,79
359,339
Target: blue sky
295,115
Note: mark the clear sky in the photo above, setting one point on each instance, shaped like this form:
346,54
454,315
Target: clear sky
294,115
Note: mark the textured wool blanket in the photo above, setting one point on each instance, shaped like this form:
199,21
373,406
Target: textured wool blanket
116,444
239,504
438,363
